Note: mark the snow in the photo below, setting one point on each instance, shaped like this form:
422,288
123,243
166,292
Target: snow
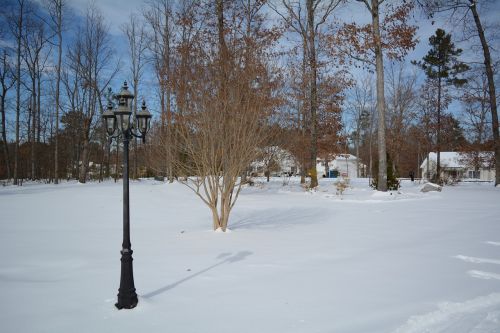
458,317
295,260
447,158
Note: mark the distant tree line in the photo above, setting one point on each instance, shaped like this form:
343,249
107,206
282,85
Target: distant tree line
232,77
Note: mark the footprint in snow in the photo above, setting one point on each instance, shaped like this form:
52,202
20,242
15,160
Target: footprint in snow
477,315
484,275
475,260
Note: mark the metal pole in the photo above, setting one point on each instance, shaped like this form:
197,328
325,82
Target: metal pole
127,297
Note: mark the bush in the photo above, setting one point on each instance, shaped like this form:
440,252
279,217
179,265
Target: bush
393,183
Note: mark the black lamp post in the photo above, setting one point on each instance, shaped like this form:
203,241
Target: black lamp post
119,124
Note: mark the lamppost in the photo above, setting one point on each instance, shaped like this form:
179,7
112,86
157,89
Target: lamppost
118,123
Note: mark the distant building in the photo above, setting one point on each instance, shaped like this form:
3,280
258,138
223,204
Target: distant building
343,165
276,160
459,166
279,161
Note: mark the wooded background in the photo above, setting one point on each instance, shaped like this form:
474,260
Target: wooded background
226,79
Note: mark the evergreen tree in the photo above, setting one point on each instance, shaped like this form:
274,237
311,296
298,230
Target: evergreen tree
393,183
441,64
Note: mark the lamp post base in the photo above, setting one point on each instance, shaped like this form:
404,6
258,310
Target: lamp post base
127,302
127,297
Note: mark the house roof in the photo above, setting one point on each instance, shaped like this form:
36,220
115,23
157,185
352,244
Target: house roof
341,157
346,156
450,159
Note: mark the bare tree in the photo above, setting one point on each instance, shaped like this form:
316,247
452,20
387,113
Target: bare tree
331,135
90,60
269,157
230,100
7,80
74,115
476,107
307,22
359,108
56,10
135,31
35,40
296,92
402,98
374,10
16,23
159,15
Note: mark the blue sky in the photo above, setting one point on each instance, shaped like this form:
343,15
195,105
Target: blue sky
116,13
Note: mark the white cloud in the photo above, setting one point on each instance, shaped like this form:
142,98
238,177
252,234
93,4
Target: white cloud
116,12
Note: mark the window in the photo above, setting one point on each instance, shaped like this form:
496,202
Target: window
474,174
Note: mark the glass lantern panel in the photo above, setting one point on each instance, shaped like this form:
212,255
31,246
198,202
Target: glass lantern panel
123,120
141,122
111,124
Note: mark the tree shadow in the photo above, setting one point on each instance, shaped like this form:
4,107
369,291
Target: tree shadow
270,219
229,259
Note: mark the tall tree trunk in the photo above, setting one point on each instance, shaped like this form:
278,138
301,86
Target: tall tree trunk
108,157
419,158
85,155
438,134
379,68
226,210
357,152
5,88
33,129
226,188
164,167
170,151
170,136
58,81
102,161
428,166
117,159
38,109
215,217
168,94
134,145
491,89
303,111
314,92
82,177
4,136
76,160
18,90
220,28
370,143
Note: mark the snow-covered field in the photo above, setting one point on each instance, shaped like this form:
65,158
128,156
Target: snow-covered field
294,261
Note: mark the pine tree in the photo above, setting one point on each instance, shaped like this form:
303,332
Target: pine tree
441,63
393,183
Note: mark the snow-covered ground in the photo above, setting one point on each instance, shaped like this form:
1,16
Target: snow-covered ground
294,261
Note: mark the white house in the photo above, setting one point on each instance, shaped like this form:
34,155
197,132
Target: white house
458,166
279,161
276,160
342,165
